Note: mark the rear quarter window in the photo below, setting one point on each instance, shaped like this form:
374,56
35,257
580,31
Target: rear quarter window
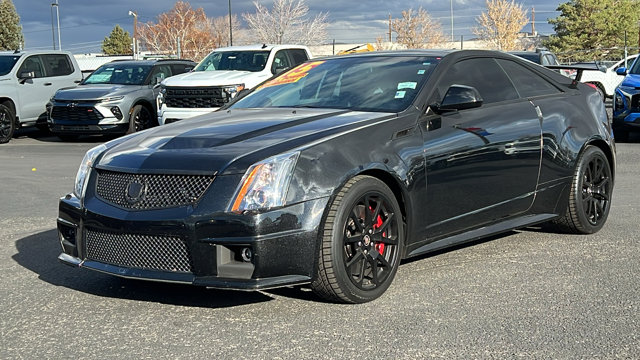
526,82
299,56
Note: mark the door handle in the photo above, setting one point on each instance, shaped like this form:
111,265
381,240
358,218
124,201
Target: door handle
48,84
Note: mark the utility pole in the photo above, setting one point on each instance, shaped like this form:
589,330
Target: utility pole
452,40
230,27
53,30
135,33
638,36
389,28
58,17
533,21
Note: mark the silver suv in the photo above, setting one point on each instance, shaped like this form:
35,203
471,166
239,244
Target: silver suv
119,97
27,81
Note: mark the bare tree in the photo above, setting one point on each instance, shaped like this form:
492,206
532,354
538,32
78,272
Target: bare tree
500,24
417,30
287,22
184,25
220,28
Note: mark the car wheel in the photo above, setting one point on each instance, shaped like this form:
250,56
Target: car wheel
139,119
362,243
590,197
7,124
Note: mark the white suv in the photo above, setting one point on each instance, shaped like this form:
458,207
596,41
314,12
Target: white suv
221,75
28,79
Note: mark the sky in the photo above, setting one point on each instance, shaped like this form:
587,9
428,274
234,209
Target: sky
85,23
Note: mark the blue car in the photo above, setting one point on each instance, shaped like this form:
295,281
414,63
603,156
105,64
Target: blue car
626,102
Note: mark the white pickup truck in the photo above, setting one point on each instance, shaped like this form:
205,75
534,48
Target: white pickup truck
221,75
607,80
28,79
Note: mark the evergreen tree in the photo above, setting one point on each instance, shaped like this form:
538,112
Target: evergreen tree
118,42
586,30
11,37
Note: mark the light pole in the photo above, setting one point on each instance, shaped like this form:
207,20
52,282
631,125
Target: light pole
452,21
135,34
230,27
53,29
58,17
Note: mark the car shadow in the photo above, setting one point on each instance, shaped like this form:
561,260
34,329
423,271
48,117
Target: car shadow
46,136
39,253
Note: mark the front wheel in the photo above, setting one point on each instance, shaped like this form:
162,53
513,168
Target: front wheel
362,243
590,197
139,119
7,124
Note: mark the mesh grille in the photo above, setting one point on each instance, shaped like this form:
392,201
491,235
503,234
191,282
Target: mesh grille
197,97
158,191
76,113
166,253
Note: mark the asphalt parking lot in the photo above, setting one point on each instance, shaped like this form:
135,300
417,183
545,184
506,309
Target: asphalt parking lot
526,293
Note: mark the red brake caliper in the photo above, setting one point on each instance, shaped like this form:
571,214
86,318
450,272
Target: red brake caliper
379,246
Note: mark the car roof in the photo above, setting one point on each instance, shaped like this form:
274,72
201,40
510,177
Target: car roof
258,47
32,52
151,62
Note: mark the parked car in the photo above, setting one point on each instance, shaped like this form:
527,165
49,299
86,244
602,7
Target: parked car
223,74
28,79
606,80
334,171
540,56
626,102
119,97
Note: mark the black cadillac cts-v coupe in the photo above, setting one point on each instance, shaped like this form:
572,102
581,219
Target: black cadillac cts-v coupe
333,172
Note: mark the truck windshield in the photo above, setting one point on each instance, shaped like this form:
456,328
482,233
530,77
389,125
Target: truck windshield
368,83
124,74
234,60
7,62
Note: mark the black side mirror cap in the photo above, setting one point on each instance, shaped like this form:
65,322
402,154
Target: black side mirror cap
459,97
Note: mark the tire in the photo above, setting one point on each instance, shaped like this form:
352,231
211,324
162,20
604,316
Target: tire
590,197
139,119
7,124
362,243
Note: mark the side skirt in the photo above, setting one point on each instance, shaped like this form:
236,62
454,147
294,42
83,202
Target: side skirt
482,232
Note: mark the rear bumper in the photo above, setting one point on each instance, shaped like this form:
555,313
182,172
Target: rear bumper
282,245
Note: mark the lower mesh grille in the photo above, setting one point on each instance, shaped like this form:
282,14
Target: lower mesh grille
150,252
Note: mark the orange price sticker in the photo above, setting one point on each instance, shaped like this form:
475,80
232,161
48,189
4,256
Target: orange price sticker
293,75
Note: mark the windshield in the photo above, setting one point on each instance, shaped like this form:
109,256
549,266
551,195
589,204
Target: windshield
124,74
234,60
7,62
635,68
369,83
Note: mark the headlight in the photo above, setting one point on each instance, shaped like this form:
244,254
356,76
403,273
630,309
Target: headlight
112,99
233,90
160,97
85,166
265,184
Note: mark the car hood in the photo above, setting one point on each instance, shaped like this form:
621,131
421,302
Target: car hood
228,142
631,80
95,91
216,78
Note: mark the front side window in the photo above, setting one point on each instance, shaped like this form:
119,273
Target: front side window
32,64
372,83
7,63
123,74
485,75
234,60
57,64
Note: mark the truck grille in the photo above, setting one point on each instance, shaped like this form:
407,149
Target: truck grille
150,191
76,113
150,252
195,97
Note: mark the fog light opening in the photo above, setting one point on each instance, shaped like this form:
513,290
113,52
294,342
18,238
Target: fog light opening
246,254
116,112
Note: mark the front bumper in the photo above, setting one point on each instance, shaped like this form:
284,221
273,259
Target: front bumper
626,109
282,244
88,118
168,115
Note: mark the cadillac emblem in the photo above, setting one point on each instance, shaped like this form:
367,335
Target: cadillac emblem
136,191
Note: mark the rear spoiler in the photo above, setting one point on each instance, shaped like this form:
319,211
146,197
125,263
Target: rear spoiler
579,68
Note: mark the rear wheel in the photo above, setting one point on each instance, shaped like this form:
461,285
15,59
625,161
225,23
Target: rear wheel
362,243
140,119
7,124
590,197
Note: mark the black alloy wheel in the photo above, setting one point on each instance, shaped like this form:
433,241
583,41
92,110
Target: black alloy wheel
590,198
362,243
7,124
140,119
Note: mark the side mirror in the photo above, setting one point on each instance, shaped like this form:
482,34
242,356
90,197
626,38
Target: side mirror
459,97
27,75
621,71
